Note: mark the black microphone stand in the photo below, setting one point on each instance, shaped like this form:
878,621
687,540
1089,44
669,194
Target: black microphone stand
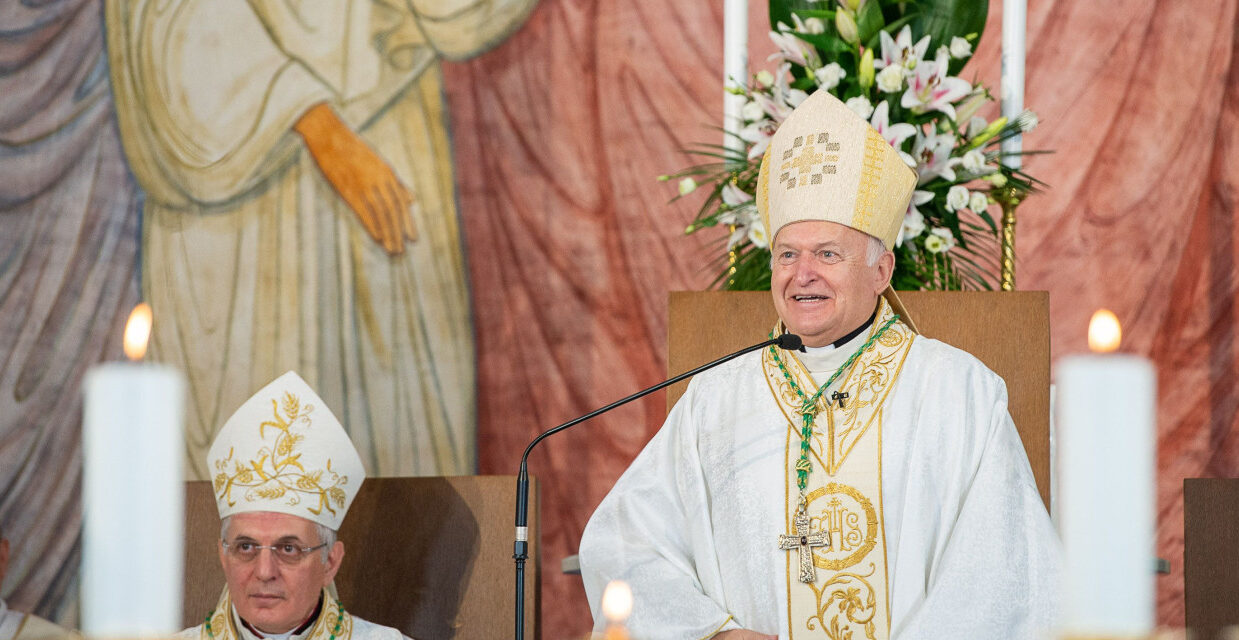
786,341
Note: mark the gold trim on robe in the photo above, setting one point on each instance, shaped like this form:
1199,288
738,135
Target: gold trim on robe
850,594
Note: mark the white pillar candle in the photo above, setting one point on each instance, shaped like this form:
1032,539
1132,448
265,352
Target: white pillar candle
133,490
1014,27
735,68
1106,457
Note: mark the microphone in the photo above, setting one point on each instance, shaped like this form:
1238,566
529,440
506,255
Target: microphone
786,341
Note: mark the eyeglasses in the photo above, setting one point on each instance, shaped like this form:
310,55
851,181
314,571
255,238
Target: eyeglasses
286,552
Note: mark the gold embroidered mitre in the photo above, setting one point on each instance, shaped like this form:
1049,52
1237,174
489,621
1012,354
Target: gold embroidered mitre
826,163
284,451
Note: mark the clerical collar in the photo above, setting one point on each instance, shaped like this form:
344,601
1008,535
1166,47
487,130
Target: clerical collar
855,332
824,360
300,630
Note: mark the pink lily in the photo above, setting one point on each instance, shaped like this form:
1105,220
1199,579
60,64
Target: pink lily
894,134
792,49
931,89
933,157
900,50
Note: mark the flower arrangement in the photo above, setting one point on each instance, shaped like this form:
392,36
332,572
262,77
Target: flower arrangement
896,64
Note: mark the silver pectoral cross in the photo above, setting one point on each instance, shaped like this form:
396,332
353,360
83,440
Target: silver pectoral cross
804,541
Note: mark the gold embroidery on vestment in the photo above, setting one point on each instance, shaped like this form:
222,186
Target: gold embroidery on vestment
850,596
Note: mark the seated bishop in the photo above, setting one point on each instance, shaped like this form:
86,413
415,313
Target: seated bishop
285,473
872,486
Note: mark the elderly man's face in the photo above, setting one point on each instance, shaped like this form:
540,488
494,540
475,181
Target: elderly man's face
270,593
821,283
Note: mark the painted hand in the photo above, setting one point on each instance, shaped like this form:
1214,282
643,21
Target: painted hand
360,176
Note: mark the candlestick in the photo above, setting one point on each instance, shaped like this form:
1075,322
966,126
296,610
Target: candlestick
132,496
1105,463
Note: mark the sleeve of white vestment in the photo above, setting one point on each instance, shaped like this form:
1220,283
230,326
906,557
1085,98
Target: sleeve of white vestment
998,569
641,534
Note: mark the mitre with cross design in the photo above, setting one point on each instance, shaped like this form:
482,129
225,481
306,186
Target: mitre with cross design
827,163
284,451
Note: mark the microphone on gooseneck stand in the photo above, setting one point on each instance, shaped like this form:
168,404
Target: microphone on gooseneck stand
787,342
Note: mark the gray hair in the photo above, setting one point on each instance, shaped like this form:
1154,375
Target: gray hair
876,249
326,535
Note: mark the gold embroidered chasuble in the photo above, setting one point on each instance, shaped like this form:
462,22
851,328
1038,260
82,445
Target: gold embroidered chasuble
849,595
220,624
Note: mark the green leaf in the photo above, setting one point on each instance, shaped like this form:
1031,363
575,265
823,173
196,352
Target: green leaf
781,10
869,20
946,19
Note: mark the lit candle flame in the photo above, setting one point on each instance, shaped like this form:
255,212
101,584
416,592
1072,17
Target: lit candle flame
1104,332
617,601
138,331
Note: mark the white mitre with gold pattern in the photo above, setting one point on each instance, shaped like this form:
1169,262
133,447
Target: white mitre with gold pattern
284,451
826,163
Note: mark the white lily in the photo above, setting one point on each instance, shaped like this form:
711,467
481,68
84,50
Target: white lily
913,219
900,51
933,157
758,134
931,89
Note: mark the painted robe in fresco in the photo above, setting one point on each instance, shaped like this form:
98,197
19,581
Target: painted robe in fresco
252,263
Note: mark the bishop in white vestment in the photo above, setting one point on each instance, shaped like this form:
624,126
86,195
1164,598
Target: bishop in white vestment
871,487
285,474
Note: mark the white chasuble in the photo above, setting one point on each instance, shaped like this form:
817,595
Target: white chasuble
694,524
842,589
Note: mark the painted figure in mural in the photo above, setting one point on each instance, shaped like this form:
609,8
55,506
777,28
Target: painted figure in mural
277,543
300,211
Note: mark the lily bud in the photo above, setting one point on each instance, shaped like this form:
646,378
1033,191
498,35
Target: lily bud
854,5
965,112
865,74
846,24
989,132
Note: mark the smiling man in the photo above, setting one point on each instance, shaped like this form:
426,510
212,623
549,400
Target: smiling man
871,487
285,473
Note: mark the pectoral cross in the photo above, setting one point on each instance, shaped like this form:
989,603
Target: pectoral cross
804,541
839,397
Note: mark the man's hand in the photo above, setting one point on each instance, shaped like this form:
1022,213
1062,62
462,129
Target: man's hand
742,634
368,186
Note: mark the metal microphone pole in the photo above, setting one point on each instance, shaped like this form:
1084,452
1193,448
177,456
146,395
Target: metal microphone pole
520,553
